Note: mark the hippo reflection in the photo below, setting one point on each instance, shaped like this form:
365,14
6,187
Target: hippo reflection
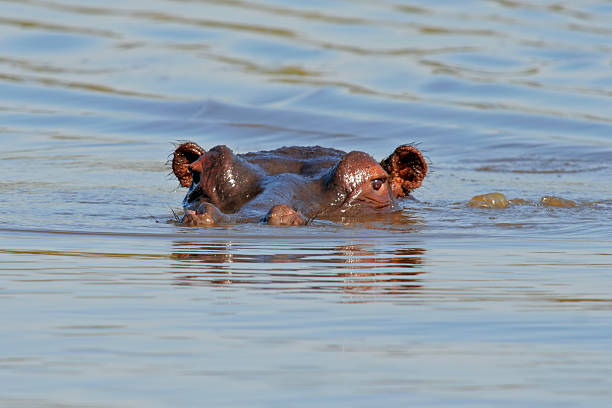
292,185
357,268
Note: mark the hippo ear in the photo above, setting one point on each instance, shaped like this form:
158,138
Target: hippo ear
407,169
184,155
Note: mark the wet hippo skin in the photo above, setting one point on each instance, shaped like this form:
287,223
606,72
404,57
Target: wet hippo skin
292,185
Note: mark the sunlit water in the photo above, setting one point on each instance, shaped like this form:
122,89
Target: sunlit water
108,303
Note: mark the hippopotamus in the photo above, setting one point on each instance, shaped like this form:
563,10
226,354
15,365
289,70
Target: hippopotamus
292,185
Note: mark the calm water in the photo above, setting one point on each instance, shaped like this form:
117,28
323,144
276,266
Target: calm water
107,303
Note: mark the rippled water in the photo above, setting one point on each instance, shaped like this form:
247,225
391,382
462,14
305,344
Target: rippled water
108,303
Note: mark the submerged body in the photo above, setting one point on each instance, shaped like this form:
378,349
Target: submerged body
290,185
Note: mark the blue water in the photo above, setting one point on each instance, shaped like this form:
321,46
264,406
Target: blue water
109,303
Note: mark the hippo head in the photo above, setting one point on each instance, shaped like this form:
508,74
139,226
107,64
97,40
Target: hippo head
287,183
359,185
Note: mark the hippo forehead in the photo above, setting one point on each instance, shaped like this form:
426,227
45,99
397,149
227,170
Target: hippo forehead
356,168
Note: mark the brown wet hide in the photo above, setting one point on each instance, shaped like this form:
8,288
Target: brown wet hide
304,160
407,168
185,154
357,184
222,179
282,214
205,214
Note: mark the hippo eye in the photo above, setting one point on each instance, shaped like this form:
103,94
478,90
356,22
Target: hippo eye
377,183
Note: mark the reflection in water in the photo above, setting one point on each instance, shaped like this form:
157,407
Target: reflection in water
354,269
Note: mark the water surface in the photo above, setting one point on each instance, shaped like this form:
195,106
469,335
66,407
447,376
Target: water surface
108,303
